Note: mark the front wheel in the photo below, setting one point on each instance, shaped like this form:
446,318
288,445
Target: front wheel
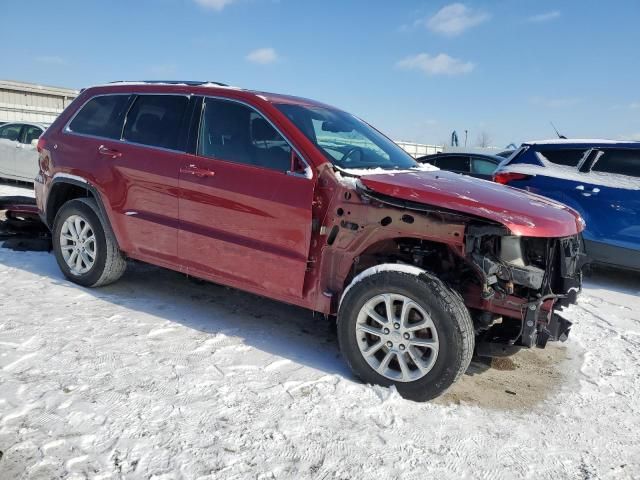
408,330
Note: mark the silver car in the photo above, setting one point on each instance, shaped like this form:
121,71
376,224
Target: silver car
18,154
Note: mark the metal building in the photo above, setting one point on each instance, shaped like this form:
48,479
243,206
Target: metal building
28,102
419,149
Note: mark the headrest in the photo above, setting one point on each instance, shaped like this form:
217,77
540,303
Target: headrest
262,131
148,123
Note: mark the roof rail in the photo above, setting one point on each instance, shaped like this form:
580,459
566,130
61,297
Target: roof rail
193,83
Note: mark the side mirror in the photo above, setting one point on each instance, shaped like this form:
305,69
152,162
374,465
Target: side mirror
298,166
34,142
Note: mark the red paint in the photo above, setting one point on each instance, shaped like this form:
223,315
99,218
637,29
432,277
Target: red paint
18,210
261,230
523,213
503,178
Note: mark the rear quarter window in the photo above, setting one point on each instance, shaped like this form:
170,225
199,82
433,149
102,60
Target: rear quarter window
482,166
564,156
101,116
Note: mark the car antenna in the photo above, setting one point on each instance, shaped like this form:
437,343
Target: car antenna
557,132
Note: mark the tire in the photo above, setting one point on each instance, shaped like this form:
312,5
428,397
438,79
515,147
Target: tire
108,265
450,333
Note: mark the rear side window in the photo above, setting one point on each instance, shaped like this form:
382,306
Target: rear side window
101,116
569,157
482,166
455,163
622,162
155,120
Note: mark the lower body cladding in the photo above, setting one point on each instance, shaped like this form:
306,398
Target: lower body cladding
525,282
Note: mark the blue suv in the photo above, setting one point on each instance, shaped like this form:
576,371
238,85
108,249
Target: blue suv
598,178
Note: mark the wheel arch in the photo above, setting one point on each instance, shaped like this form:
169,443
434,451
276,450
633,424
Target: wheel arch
63,189
395,251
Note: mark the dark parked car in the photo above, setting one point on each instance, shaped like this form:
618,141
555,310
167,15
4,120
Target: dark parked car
301,202
473,164
598,178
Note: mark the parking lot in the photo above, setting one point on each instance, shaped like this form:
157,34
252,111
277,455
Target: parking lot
158,376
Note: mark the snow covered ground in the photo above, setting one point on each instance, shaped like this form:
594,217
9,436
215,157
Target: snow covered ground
161,377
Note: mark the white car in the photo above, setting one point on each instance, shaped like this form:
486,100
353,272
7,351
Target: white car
18,154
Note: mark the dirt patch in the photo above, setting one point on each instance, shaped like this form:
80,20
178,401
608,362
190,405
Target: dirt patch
512,383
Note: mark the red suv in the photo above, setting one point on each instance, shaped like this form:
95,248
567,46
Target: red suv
301,202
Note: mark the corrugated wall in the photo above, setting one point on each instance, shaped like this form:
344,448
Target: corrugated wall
25,104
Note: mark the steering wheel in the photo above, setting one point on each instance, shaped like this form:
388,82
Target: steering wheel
350,152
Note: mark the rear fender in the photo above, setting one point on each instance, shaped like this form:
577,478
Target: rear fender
56,197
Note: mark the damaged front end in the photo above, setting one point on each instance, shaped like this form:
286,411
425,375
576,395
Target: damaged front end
524,281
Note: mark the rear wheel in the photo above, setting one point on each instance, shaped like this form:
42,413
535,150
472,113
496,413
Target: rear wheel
406,330
86,252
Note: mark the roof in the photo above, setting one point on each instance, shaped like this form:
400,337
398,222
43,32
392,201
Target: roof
199,86
581,141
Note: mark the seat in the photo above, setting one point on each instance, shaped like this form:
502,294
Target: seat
147,130
268,153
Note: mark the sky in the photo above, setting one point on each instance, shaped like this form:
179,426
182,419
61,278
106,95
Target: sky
417,70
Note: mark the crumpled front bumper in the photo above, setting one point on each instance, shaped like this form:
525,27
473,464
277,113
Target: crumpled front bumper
541,321
540,317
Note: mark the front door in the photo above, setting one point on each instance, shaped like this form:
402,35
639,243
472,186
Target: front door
26,161
244,220
612,192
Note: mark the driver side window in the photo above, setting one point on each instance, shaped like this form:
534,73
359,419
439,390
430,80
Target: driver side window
236,133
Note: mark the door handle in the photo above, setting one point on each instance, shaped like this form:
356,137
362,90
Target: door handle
198,172
594,191
109,152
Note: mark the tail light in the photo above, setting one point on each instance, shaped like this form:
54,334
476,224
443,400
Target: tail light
505,177
43,158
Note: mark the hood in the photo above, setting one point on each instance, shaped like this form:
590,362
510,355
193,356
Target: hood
521,212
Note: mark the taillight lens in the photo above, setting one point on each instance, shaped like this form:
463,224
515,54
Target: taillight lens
41,144
505,177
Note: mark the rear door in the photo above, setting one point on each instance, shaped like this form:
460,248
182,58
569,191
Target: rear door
612,192
9,143
133,146
26,161
244,218
147,168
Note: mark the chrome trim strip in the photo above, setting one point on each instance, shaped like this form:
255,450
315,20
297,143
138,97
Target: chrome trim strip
125,142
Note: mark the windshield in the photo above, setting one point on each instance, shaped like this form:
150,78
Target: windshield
346,141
